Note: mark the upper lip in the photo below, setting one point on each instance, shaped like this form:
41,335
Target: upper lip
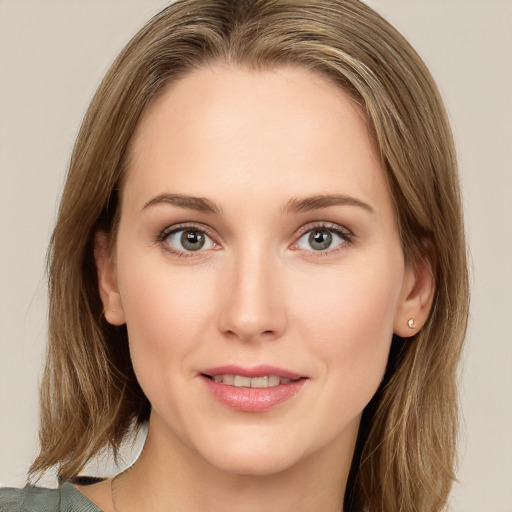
251,371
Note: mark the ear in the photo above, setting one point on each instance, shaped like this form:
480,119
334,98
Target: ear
107,282
416,298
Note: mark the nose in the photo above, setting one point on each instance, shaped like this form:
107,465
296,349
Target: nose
252,298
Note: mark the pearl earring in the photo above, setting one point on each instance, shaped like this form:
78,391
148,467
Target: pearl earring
411,323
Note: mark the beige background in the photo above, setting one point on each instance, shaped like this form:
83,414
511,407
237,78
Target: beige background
52,56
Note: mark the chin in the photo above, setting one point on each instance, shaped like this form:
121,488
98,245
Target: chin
252,462
259,452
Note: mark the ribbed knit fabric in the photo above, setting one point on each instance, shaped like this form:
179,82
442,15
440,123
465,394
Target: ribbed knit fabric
39,499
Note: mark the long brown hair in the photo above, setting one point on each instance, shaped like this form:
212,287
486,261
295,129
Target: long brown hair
90,397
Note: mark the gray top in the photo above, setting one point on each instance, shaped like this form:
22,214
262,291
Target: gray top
67,498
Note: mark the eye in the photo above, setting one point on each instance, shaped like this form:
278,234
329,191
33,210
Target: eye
188,240
323,238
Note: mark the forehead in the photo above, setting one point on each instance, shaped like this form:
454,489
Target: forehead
288,128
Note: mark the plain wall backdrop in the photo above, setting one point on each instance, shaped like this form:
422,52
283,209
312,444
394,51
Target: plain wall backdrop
53,54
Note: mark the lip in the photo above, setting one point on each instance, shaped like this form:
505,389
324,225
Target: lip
254,400
254,371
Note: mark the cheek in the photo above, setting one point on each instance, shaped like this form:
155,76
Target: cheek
166,311
350,320
354,305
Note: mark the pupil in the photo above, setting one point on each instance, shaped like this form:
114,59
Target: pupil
192,240
320,240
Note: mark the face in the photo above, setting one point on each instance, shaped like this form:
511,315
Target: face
258,267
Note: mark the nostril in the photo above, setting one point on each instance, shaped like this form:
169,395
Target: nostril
251,325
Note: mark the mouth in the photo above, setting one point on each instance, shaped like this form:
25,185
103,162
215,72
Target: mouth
255,389
242,381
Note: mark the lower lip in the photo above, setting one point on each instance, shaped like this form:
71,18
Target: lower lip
253,399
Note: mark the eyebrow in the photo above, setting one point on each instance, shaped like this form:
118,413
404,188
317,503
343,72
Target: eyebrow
296,205
199,204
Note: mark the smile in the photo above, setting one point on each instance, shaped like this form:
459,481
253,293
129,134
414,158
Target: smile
241,381
255,389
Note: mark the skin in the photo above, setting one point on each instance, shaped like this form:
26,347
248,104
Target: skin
254,143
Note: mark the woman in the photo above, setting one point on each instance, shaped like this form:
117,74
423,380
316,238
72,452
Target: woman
260,252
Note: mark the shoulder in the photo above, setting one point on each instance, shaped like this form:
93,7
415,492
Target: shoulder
11,499
39,499
30,498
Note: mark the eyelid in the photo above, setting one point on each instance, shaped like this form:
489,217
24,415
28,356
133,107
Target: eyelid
346,234
332,226
187,226
343,232
169,230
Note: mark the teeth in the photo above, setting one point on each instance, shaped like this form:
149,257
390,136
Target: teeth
228,379
274,380
242,382
239,381
259,382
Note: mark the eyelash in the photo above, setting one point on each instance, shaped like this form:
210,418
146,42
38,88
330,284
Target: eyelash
344,234
167,232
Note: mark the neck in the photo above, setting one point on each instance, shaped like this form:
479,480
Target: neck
170,477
